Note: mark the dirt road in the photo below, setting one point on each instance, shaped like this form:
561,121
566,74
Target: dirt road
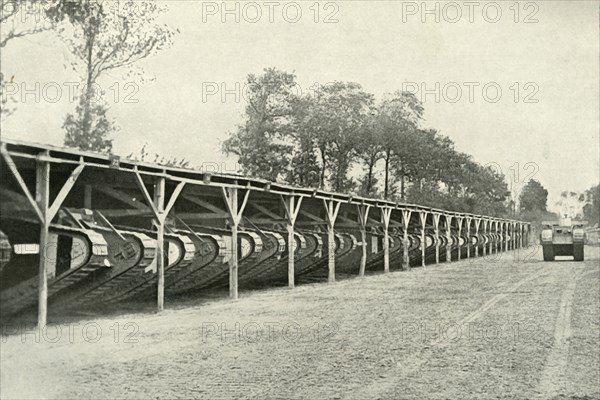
510,328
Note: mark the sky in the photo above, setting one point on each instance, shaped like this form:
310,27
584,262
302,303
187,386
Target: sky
516,85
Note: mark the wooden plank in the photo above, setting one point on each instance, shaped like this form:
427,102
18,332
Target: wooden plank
122,197
42,193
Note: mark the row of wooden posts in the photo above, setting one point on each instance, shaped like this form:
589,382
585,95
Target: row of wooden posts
160,208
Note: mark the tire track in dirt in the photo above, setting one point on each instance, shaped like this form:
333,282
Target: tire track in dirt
376,389
553,379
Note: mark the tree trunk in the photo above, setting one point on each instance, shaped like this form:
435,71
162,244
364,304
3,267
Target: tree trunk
402,179
86,124
387,171
370,178
322,175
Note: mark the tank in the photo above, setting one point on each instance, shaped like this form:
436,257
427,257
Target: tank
562,238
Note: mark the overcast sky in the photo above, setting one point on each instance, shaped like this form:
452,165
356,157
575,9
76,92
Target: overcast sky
547,71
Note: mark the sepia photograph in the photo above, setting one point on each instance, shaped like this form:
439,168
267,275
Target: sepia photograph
300,200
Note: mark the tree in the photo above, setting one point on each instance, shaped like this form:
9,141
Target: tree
571,204
89,127
398,117
370,151
105,36
20,18
342,114
262,141
591,210
533,197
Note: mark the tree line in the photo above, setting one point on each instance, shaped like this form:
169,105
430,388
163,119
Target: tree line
340,138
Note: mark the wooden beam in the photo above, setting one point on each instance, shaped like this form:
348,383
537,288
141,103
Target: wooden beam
331,210
363,216
449,237
42,194
468,219
230,195
159,206
64,192
291,206
460,221
174,197
386,214
406,222
423,220
265,210
436,224
15,172
146,195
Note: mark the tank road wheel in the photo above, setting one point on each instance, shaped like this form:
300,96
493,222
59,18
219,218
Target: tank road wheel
578,252
548,252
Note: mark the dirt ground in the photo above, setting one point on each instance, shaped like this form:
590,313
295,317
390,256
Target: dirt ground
514,327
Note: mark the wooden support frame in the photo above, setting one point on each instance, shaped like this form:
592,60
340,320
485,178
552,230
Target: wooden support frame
45,213
436,227
230,196
386,215
405,222
363,217
423,220
332,207
291,205
160,211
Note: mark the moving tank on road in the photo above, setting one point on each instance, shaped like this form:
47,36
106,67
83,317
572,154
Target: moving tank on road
562,238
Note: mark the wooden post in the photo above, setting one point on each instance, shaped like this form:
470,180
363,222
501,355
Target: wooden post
331,210
513,236
160,211
449,237
230,195
436,223
291,208
477,223
504,236
159,203
468,219
42,196
460,220
523,244
363,216
498,231
385,218
485,232
423,220
405,222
